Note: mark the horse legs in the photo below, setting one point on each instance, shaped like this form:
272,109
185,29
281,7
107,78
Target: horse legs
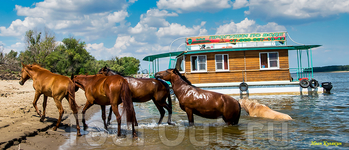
169,115
161,110
168,108
87,106
36,98
118,117
104,117
58,102
44,104
109,117
190,116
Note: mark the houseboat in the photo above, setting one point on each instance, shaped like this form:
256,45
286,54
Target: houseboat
246,63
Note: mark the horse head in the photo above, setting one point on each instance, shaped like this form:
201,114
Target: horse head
25,73
108,72
165,75
103,71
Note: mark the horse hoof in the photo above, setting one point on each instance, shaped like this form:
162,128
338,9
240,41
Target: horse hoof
170,123
85,127
54,129
78,134
42,119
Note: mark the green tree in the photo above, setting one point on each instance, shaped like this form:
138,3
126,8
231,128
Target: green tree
124,65
11,55
71,57
38,47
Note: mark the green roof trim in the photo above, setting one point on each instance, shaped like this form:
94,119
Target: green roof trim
153,57
298,47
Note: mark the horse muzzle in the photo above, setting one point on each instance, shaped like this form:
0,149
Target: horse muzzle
157,75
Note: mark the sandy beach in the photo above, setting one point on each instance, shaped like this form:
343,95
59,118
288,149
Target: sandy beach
19,123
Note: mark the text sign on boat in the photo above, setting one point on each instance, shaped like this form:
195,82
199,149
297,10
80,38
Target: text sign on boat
236,38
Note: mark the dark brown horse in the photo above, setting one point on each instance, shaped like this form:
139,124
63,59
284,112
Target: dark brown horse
204,103
107,90
145,89
51,85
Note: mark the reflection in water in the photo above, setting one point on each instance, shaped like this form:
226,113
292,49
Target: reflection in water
318,120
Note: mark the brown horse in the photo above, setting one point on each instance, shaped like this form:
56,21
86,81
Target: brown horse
145,89
254,109
51,85
204,103
107,90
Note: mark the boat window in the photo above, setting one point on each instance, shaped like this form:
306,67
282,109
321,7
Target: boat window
222,61
180,65
198,63
269,60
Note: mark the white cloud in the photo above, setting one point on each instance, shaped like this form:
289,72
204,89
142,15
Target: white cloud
153,19
239,4
92,19
194,5
124,46
16,47
69,9
246,26
18,27
296,11
175,29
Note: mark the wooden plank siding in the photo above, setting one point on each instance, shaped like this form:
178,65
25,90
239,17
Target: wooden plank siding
237,68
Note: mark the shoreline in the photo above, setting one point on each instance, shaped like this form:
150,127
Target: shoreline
19,123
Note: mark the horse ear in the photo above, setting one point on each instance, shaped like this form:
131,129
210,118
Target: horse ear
175,71
22,64
105,68
72,76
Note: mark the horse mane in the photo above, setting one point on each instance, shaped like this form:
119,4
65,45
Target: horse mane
38,66
164,83
115,72
175,71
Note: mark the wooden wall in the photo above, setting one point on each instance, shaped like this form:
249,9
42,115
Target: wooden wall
237,68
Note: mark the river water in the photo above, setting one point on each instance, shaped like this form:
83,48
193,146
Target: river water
320,122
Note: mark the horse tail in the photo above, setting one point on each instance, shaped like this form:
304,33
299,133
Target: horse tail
239,112
71,97
127,102
169,100
169,92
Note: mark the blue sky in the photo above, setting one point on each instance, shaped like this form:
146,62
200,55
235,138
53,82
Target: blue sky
143,27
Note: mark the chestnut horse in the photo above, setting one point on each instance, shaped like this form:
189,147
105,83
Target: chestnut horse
254,109
51,85
146,89
194,100
107,90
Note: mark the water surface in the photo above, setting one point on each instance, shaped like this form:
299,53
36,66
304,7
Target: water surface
320,122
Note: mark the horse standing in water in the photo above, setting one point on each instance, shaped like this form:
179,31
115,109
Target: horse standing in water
204,103
107,90
143,90
255,109
51,85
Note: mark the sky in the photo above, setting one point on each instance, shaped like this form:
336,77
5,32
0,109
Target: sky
138,28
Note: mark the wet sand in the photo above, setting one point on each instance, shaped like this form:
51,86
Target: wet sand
19,123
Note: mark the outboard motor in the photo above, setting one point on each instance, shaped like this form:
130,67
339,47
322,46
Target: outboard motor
327,86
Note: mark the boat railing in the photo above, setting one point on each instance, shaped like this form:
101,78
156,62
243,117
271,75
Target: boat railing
298,73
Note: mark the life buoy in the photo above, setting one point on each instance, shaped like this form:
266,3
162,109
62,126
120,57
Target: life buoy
313,83
243,86
304,83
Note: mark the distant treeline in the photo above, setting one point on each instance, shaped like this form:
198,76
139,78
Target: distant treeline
331,68
68,57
